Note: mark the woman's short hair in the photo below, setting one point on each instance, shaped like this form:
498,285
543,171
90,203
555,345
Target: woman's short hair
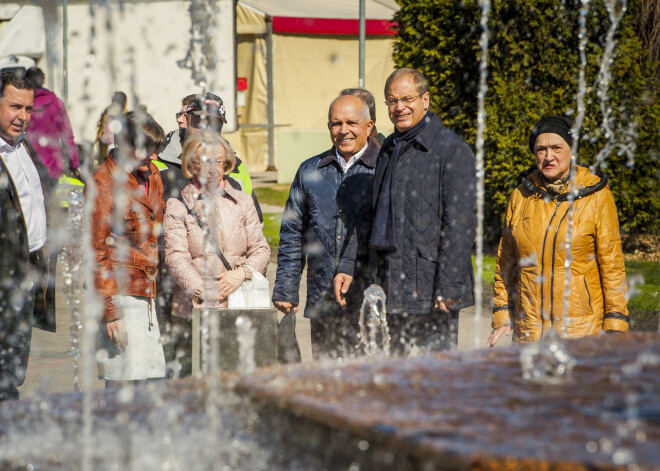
190,166
140,130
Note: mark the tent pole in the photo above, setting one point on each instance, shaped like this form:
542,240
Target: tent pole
65,51
362,40
270,95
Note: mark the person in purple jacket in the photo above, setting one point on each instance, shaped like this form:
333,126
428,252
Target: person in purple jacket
50,130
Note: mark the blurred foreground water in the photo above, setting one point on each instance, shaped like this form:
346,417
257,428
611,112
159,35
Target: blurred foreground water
460,410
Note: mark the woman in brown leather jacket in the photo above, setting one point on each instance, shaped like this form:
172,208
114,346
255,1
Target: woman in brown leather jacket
530,271
126,221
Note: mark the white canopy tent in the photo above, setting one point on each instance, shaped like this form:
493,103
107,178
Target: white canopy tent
137,46
314,50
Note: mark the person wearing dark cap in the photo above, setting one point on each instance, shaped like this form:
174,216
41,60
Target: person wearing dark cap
197,112
531,261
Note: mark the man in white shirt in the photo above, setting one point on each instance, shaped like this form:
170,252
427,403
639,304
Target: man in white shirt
22,233
328,202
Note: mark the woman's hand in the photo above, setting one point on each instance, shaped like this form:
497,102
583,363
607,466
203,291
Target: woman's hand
496,334
229,281
117,332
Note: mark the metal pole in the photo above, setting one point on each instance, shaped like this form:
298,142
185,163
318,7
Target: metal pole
65,52
363,29
270,95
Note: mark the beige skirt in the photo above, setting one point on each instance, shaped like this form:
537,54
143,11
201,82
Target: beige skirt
142,357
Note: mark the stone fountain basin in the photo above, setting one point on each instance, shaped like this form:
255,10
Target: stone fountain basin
471,410
455,411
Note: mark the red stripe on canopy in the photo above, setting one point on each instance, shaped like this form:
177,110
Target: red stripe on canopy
287,24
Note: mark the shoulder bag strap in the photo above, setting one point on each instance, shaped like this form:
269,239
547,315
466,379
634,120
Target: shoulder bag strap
204,228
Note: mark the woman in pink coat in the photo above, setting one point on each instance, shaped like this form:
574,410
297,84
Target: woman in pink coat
50,131
230,223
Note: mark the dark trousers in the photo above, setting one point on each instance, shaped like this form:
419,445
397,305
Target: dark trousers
433,332
335,336
177,345
16,307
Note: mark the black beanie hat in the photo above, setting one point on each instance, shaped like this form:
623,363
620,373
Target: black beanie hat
554,124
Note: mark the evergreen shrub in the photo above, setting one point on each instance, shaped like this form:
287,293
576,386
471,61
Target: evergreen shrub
533,65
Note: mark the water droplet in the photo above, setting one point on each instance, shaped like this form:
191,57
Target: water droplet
546,362
623,456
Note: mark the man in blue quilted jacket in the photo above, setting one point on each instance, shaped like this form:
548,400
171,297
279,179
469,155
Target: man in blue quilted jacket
329,202
423,222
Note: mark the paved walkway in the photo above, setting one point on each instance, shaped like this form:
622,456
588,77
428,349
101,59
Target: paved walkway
50,368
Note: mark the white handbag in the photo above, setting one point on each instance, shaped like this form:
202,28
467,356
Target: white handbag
252,294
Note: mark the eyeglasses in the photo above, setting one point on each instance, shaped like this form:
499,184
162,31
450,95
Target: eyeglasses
179,114
406,100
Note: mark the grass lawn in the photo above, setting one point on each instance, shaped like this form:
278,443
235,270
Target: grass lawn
643,284
272,223
488,274
644,291
275,194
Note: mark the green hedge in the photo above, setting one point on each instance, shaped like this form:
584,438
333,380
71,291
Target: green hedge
533,68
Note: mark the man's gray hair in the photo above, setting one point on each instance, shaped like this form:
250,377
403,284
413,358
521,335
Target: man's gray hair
366,96
421,84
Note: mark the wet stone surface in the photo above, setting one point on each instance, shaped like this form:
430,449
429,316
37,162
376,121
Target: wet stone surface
462,410
473,410
163,426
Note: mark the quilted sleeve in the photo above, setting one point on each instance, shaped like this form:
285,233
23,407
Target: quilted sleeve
458,184
258,251
177,254
610,263
506,273
290,255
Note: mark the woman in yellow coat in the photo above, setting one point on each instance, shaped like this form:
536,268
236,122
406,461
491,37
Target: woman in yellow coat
530,271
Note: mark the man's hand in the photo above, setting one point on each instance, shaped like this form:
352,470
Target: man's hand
285,307
496,334
446,304
342,283
229,281
117,333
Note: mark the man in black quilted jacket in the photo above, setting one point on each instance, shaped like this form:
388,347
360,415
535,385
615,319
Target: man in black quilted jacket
423,222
